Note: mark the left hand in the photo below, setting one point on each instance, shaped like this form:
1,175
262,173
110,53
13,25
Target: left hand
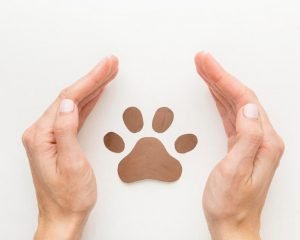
237,187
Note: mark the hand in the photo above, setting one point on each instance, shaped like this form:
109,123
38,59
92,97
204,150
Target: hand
64,180
238,185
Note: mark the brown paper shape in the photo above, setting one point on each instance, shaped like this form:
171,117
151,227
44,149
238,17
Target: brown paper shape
114,142
149,159
133,119
186,143
162,119
145,162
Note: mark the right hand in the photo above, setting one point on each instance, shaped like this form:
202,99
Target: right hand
64,180
237,187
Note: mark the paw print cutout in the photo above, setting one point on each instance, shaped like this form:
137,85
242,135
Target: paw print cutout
149,159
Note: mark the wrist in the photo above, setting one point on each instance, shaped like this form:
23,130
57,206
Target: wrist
234,232
63,228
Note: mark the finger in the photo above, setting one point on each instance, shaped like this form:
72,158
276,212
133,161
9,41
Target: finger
269,156
199,62
238,95
96,78
90,102
218,78
226,115
88,99
199,68
222,99
267,162
225,109
65,132
95,93
234,91
86,110
240,159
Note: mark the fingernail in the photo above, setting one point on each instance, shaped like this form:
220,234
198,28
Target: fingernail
251,111
66,105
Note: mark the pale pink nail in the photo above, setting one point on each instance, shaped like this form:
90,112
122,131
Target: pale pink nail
66,105
251,111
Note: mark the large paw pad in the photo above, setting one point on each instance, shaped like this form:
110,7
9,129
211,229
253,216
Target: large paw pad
149,158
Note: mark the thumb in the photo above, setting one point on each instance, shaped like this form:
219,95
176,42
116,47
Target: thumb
240,159
65,131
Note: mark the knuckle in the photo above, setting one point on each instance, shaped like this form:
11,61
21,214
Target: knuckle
234,172
225,169
246,95
249,94
64,93
68,93
28,137
31,139
80,166
277,145
280,145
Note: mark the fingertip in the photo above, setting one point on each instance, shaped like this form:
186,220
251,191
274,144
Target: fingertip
211,63
114,61
113,66
101,69
107,63
114,58
212,68
199,62
199,57
106,67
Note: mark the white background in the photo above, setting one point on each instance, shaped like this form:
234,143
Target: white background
46,45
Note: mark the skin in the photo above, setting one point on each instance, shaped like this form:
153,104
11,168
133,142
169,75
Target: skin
64,180
236,188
